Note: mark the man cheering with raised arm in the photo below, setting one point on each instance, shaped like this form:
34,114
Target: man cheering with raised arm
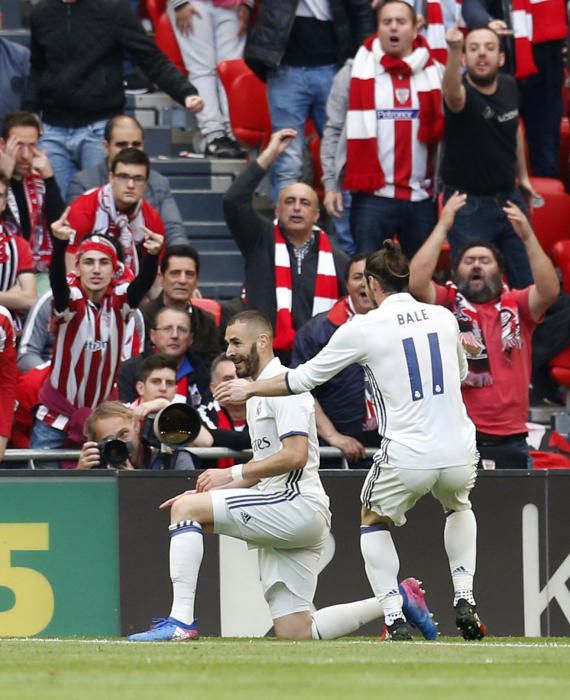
92,308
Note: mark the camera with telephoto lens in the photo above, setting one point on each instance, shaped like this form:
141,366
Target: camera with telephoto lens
175,426
114,452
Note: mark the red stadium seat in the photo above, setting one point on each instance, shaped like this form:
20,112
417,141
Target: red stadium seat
247,100
164,36
552,221
564,154
212,306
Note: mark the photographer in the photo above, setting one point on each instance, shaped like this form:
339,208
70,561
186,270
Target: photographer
113,421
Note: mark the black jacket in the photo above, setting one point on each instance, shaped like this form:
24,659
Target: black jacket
77,61
353,21
254,236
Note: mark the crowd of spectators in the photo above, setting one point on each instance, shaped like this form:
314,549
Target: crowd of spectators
98,299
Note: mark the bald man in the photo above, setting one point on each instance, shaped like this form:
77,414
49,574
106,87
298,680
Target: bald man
121,132
282,257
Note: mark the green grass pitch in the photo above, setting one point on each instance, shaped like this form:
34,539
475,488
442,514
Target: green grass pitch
213,669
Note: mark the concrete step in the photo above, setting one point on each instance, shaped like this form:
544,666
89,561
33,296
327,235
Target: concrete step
199,205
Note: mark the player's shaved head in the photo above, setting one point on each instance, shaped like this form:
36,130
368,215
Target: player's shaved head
256,322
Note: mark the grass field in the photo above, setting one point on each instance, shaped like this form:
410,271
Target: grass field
211,669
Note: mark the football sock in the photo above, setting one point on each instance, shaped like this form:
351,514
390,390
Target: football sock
339,620
460,538
186,552
382,566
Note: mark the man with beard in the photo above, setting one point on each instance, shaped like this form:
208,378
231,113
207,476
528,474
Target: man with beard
484,148
412,355
496,323
276,503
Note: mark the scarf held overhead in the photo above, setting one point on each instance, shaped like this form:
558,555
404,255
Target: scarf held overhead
363,170
325,292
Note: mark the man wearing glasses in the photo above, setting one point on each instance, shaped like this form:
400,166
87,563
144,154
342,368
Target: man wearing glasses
171,334
118,209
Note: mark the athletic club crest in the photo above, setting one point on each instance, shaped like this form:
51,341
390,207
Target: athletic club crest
402,95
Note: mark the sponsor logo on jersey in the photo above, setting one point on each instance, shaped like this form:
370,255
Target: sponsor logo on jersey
398,114
260,443
245,517
96,345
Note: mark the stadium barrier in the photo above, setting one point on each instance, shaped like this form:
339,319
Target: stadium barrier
85,553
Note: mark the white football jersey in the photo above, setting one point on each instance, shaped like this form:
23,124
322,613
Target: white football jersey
415,363
272,419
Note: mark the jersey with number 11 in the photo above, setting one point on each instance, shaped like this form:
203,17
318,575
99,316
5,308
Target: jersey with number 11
414,362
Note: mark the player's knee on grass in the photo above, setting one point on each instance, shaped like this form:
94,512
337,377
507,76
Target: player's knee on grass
294,626
291,614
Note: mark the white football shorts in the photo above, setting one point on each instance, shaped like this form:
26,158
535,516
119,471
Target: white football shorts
290,532
392,491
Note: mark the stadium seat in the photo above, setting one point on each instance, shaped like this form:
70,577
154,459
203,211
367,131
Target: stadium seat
552,221
250,118
212,306
164,35
247,100
561,257
547,185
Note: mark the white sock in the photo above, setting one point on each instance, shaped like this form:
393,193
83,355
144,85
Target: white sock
382,566
460,539
186,552
340,620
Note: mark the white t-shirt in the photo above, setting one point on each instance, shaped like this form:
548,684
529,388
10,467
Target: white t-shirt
272,419
414,362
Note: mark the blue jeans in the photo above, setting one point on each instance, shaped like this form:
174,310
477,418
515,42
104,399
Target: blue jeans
482,218
373,219
296,93
46,437
70,150
342,231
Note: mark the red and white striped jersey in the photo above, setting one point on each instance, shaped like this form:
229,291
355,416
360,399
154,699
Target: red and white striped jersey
15,258
8,372
407,164
87,350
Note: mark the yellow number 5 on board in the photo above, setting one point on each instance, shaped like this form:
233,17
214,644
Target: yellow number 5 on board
34,605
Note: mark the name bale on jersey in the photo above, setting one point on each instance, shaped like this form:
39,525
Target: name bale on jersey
414,317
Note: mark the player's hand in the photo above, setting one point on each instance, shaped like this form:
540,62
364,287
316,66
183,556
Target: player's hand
456,202
170,501
499,26
333,204
40,163
213,479
89,457
232,391
152,241
244,14
8,156
351,448
184,18
61,228
194,103
519,221
454,37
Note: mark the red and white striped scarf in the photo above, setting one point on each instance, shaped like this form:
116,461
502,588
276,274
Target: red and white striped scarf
129,227
363,170
471,333
326,286
549,20
522,29
40,242
434,31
